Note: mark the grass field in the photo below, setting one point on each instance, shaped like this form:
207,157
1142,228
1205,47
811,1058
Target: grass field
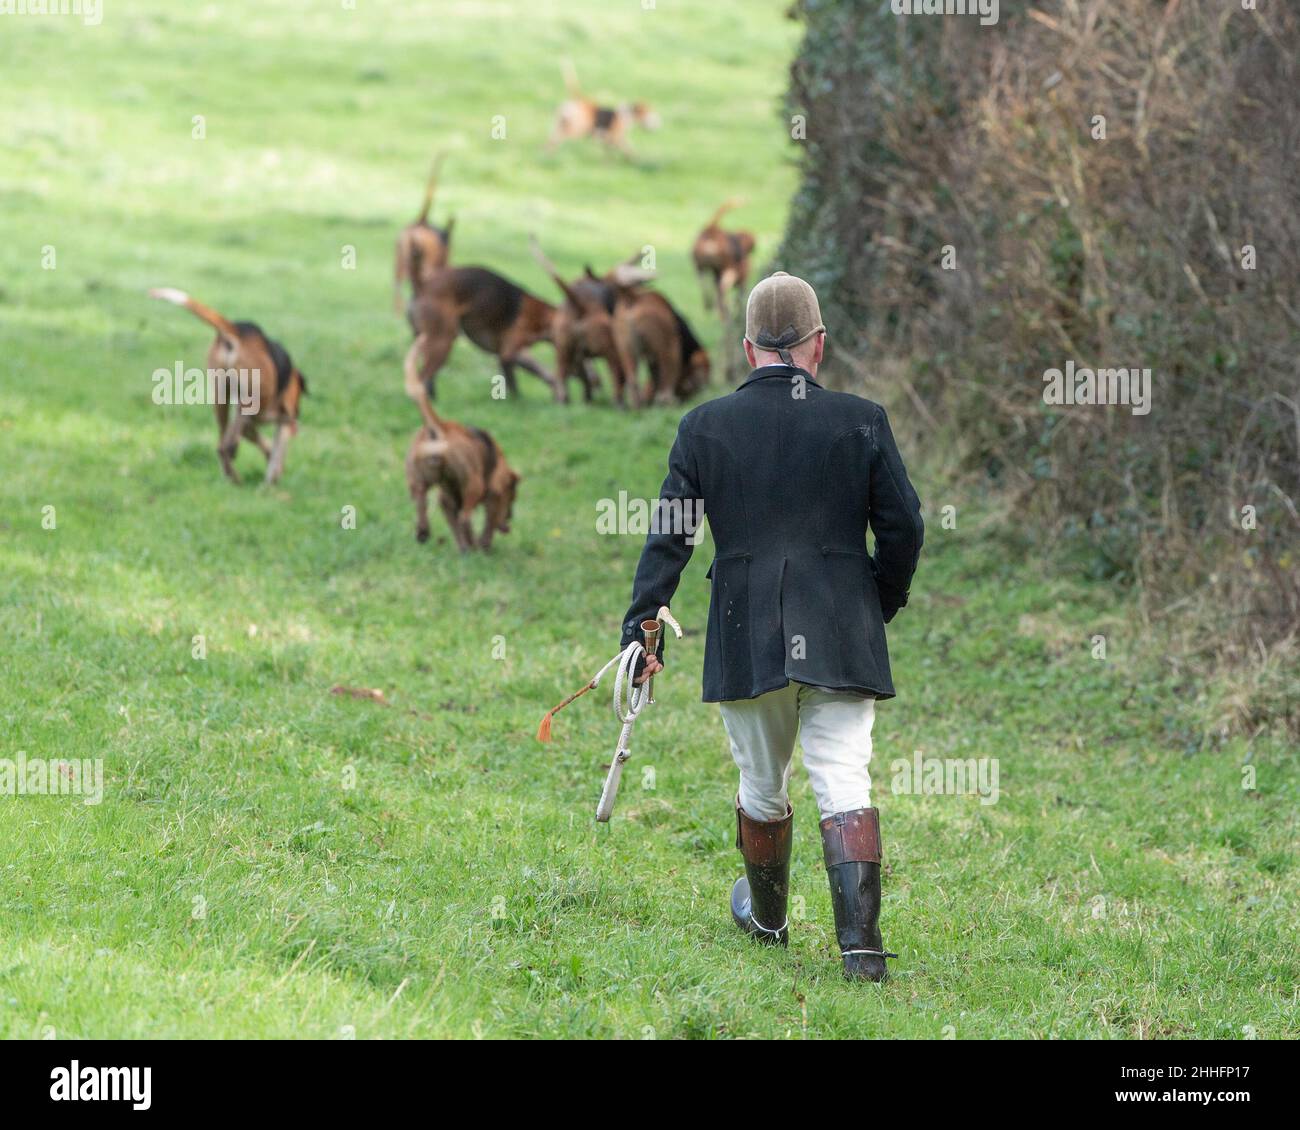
272,860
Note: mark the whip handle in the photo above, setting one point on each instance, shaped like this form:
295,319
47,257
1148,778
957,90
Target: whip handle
610,793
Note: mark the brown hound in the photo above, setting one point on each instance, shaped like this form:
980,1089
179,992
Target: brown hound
268,380
646,325
584,325
495,314
465,464
579,116
422,248
724,255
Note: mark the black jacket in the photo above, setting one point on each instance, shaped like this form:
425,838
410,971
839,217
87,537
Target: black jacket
791,476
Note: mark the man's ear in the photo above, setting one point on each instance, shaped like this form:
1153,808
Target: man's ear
749,352
820,351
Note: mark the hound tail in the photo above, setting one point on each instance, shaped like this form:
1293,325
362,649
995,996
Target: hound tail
431,186
415,386
733,202
551,270
179,298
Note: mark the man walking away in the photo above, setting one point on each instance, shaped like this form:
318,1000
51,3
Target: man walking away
791,477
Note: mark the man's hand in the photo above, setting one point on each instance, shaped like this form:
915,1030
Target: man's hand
650,668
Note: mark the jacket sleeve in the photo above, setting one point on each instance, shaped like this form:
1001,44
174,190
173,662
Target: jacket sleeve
666,551
895,520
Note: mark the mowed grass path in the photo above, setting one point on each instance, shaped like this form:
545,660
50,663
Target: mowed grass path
271,860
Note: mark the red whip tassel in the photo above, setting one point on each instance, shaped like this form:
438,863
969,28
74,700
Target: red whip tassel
544,727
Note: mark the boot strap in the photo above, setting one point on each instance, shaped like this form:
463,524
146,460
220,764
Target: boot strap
759,926
867,953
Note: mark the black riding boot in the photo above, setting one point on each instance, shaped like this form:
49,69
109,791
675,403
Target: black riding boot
759,897
851,844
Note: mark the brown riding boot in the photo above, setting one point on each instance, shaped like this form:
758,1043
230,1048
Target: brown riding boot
759,897
851,845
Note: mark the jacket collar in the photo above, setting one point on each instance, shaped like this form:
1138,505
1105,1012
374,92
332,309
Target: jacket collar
784,372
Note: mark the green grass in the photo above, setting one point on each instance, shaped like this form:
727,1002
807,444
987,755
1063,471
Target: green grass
231,884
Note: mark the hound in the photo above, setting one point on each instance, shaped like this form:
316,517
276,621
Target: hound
647,326
584,325
465,464
495,314
721,259
422,249
266,372
579,116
